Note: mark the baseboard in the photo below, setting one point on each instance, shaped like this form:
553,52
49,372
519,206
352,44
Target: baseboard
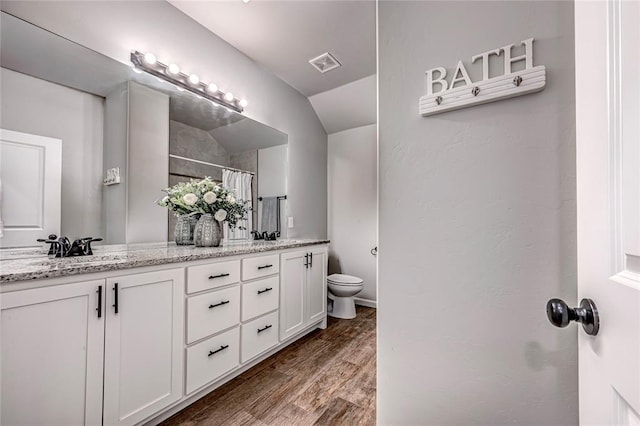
366,302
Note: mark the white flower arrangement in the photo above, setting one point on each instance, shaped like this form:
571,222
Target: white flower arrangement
204,196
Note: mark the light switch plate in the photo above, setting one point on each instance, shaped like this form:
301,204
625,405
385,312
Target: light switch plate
290,222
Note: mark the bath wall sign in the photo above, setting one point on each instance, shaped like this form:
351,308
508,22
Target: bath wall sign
458,91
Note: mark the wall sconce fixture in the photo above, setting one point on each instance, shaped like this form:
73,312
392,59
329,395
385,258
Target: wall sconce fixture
171,73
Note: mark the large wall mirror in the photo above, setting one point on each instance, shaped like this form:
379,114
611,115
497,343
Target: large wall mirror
71,117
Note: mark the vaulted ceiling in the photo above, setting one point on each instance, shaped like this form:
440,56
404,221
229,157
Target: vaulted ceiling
284,35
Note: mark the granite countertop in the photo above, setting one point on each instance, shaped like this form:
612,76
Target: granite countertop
34,264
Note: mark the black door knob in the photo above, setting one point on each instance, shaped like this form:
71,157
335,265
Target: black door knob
560,315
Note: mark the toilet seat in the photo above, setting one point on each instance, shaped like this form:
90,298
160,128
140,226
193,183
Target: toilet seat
345,280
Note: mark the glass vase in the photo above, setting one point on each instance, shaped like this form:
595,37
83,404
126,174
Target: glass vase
208,232
183,231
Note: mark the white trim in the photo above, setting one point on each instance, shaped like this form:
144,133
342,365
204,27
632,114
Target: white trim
366,302
615,130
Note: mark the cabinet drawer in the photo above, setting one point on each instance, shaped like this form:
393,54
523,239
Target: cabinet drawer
256,267
259,335
212,312
212,275
260,297
210,359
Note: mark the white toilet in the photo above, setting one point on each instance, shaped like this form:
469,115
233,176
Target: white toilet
342,288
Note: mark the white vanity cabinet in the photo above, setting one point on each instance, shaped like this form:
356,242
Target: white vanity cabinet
52,342
144,335
62,344
133,347
303,290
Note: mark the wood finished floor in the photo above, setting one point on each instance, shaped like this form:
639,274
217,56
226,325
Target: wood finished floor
326,378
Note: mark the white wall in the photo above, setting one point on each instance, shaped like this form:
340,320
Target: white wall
35,106
477,223
349,106
272,182
147,165
352,176
116,28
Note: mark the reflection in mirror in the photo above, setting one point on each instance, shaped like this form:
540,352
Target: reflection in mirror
124,136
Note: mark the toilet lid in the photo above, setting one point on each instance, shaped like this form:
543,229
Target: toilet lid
343,279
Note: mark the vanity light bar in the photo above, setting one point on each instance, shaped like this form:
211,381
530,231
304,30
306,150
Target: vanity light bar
171,73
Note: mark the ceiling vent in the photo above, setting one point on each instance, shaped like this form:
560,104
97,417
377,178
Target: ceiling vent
325,62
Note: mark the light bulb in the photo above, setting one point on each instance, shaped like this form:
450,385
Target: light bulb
244,103
180,88
173,69
228,97
194,79
137,71
150,58
245,1
212,88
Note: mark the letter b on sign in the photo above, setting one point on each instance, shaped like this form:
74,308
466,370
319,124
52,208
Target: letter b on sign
442,73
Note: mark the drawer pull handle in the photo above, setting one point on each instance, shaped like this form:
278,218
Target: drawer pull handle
224,302
222,348
266,327
265,290
264,267
213,277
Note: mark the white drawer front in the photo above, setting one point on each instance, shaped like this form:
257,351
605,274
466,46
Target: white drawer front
212,275
210,359
259,335
260,297
212,312
256,267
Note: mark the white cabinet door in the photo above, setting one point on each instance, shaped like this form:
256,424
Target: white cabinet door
31,176
293,276
303,290
144,336
317,286
52,353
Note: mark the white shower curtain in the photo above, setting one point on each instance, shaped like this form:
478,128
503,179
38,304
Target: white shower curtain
240,183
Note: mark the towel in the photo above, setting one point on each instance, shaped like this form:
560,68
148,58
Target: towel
269,221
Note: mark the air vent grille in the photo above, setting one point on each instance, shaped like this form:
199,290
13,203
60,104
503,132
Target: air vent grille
325,62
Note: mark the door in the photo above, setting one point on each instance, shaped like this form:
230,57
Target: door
608,176
293,273
30,188
52,355
144,339
317,286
